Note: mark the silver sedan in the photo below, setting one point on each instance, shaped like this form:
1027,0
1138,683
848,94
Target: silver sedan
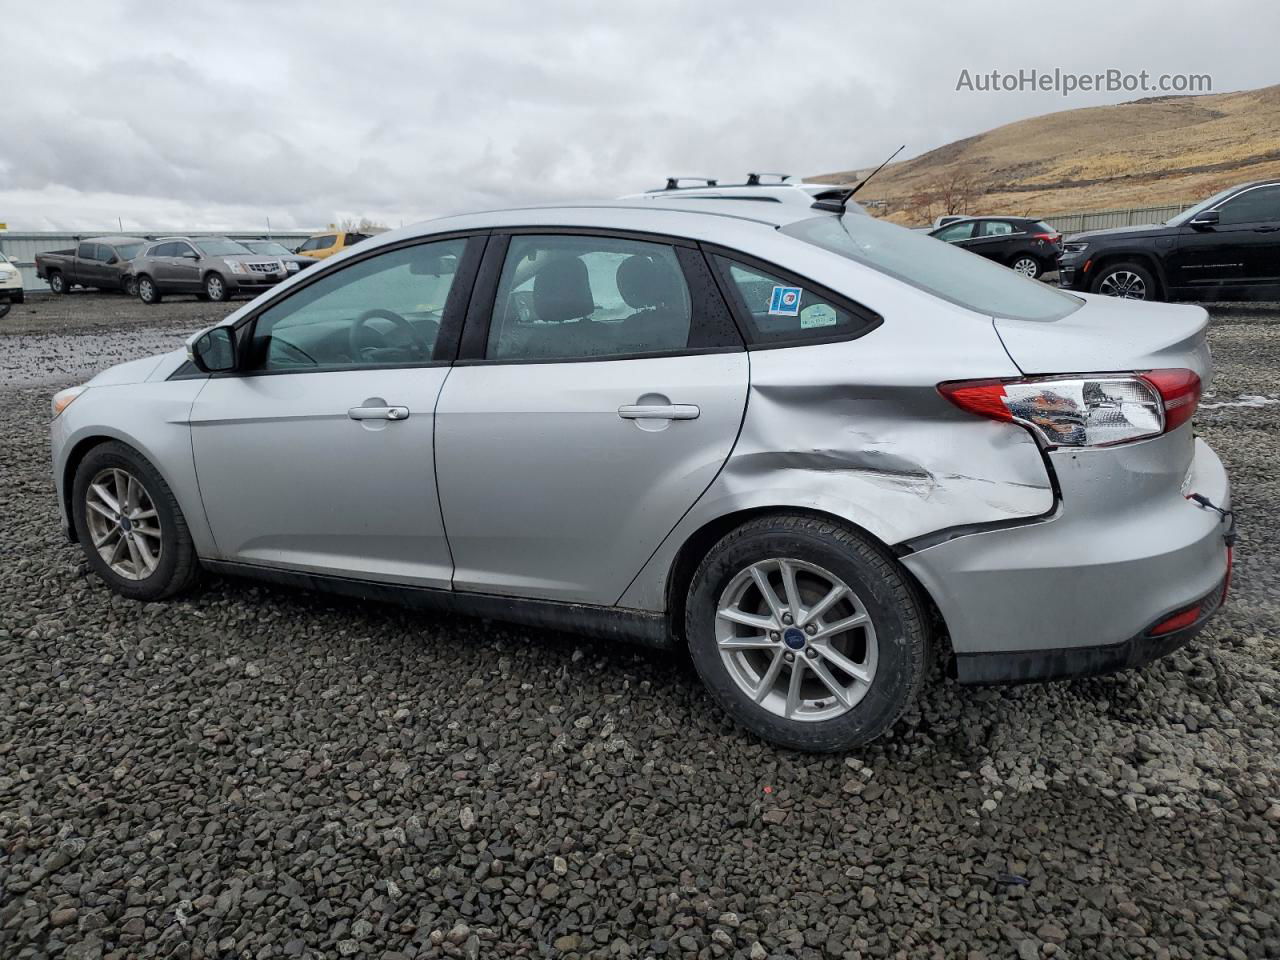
815,448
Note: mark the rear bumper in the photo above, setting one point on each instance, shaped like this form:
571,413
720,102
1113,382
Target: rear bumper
1079,593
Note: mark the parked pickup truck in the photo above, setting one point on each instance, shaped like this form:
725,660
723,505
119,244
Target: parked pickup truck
100,262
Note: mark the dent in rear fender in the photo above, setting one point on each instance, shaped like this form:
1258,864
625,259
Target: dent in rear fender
861,433
154,419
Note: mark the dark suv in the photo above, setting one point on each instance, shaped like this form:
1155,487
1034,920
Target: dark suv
1226,248
1030,247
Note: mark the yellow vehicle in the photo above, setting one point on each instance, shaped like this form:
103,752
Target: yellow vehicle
329,242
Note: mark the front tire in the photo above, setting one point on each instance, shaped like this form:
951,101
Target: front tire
58,283
215,288
130,526
20,297
148,292
807,633
1027,266
1126,281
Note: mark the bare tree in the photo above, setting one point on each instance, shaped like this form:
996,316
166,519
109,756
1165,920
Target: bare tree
957,192
363,225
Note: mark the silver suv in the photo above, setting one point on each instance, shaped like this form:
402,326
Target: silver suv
812,447
213,268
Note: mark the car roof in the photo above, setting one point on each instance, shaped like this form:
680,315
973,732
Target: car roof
116,238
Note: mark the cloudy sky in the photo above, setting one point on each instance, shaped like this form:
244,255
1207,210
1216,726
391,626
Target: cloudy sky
305,112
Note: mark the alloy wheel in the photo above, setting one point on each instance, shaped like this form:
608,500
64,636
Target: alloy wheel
123,523
1026,267
796,639
214,288
1124,284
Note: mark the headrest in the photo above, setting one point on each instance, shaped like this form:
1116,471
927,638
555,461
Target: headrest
645,281
561,291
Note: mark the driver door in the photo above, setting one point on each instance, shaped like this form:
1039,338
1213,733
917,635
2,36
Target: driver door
316,454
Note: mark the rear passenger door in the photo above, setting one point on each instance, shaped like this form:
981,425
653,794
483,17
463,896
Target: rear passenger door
994,239
600,387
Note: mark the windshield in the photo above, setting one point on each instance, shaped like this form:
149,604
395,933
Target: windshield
936,267
268,247
1213,201
218,247
127,251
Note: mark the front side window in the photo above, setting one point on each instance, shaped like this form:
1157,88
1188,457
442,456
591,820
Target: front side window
949,273
570,297
1252,206
383,311
323,243
780,310
956,231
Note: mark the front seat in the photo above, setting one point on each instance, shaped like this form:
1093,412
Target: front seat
656,291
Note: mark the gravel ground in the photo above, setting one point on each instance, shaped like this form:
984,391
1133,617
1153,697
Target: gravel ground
254,772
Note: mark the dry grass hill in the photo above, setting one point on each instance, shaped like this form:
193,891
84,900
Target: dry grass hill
1159,150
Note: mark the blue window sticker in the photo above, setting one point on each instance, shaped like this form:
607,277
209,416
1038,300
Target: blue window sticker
785,302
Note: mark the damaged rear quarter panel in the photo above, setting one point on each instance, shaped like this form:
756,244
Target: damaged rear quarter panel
858,430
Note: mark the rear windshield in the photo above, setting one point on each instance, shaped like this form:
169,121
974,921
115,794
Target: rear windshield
936,267
220,248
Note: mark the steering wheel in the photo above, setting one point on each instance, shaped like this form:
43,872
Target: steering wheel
357,332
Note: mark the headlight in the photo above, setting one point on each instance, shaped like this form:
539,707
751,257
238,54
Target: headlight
1075,247
63,398
235,266
8,273
291,267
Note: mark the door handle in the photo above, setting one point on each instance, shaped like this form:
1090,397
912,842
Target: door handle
659,411
378,413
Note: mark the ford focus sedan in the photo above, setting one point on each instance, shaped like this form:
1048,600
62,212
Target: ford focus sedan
813,448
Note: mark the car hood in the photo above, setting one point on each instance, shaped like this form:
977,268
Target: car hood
1129,232
157,367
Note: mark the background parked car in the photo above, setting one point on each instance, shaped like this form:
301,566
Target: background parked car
10,282
274,248
330,242
100,262
213,268
1030,247
1224,248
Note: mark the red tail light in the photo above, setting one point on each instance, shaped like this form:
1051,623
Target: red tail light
1179,620
1085,410
1049,237
1180,391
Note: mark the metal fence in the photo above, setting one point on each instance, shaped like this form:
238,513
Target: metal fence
23,247
1068,223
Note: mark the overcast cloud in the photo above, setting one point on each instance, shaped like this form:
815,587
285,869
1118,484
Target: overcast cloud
218,116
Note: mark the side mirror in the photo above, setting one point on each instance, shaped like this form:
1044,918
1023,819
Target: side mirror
190,255
1206,218
213,350
114,260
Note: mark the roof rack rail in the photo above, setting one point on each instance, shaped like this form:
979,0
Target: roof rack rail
673,183
753,179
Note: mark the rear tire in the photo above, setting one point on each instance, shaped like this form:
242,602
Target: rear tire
215,288
148,292
20,297
147,555
1126,281
1027,266
131,286
861,657
58,283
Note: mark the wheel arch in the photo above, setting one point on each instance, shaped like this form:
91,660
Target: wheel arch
701,540
1140,257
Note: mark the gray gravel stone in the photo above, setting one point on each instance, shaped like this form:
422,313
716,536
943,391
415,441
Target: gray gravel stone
254,772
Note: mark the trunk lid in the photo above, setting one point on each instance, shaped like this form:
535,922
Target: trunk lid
1111,335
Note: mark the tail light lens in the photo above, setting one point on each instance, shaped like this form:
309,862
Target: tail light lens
1085,411
1047,237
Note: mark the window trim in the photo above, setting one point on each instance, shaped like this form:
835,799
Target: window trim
450,322
717,255
475,334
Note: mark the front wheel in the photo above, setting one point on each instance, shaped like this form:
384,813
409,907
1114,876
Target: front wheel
1028,267
806,633
1128,281
148,292
215,288
130,526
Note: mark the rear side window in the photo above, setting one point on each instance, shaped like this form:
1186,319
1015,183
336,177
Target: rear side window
571,297
997,228
782,311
